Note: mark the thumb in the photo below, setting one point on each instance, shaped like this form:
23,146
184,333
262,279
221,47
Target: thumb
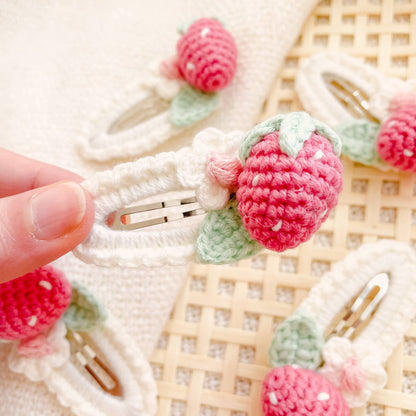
38,226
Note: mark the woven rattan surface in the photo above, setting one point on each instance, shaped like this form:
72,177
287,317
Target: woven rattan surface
212,356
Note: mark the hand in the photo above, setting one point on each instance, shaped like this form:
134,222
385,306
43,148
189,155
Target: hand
44,213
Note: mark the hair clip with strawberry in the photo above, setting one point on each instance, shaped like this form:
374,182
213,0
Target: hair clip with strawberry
180,91
271,187
329,355
374,115
59,333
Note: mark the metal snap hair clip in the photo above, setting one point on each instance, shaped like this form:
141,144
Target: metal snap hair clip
136,217
60,334
352,98
182,91
272,187
330,352
373,114
355,316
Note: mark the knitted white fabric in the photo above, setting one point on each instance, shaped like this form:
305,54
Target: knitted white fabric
61,63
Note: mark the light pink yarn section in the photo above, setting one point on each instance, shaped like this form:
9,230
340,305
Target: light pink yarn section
284,200
289,391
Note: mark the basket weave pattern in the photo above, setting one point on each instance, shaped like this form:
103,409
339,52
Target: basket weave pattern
212,356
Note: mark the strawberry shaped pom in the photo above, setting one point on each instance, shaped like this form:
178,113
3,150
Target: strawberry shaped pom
32,303
290,181
396,142
289,391
207,55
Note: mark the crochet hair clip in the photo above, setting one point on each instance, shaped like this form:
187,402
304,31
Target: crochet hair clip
329,356
182,90
59,333
374,115
272,187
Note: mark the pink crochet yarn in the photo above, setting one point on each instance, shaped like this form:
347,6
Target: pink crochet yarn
283,200
33,303
353,376
223,170
207,55
289,391
396,142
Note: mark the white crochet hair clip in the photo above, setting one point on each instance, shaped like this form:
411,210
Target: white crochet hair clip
344,330
372,113
179,92
59,333
272,187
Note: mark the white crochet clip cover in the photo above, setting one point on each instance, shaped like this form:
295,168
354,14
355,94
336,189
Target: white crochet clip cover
133,123
153,190
362,335
335,87
104,376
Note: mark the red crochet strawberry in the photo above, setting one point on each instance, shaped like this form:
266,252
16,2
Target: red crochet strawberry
207,55
289,391
396,142
290,181
33,303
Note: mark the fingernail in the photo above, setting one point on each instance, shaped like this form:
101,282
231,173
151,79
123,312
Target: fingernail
56,210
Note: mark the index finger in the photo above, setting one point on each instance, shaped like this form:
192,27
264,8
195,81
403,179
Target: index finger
20,174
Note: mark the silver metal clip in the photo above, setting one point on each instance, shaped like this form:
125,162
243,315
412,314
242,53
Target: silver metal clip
84,352
147,215
355,316
353,99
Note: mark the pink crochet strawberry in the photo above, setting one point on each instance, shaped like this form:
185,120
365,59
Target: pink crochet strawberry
290,391
396,141
290,180
207,55
207,61
32,303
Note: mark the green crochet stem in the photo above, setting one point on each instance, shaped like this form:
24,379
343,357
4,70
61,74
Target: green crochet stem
223,239
192,105
297,341
85,310
294,129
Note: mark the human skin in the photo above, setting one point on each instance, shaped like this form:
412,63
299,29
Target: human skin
44,213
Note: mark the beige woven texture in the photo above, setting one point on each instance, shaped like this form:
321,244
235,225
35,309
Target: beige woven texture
212,356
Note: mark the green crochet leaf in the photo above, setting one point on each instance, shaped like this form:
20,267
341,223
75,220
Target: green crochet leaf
297,341
85,311
192,105
223,238
296,128
359,137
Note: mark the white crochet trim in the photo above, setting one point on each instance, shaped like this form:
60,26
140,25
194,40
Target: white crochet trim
129,365
96,143
348,277
148,177
37,369
320,102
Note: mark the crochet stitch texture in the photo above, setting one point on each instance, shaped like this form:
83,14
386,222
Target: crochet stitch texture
284,200
32,303
207,55
289,391
396,142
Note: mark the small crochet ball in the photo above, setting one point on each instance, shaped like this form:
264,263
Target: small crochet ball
32,303
396,142
207,55
284,200
289,391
